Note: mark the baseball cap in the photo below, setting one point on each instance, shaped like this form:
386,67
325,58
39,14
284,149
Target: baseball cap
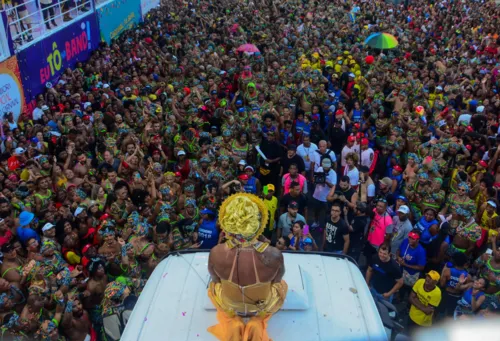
292,147
398,168
242,162
483,164
351,139
207,211
386,181
128,89
19,151
45,107
250,168
492,203
352,75
480,108
434,275
364,142
47,227
331,94
404,209
326,163
414,235
270,187
213,92
105,86
181,152
78,211
243,177
292,204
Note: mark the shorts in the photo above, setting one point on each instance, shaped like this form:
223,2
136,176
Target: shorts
318,205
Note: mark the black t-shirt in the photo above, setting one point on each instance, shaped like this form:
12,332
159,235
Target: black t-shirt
301,201
384,275
335,233
286,162
358,223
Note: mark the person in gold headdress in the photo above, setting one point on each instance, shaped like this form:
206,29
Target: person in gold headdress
235,290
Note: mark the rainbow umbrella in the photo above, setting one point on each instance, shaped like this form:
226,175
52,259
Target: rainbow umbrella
381,41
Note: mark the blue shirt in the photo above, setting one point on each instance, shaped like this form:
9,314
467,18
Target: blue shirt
25,233
412,256
207,232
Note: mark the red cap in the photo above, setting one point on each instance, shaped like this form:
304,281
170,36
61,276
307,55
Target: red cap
483,164
470,129
177,173
351,139
86,248
359,135
339,112
365,142
413,235
156,151
187,91
469,147
398,168
86,117
356,125
243,177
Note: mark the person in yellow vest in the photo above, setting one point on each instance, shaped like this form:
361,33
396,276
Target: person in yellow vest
424,300
489,219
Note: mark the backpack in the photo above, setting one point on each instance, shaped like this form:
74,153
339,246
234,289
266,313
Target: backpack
324,156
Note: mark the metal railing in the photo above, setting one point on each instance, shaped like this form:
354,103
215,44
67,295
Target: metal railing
31,20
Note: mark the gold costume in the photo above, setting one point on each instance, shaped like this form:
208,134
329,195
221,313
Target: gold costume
243,217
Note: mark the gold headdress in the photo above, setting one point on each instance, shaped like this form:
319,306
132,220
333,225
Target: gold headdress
243,217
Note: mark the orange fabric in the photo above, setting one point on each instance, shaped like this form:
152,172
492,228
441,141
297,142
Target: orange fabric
231,326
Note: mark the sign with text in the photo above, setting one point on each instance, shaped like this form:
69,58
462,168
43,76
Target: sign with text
117,17
11,89
148,5
42,63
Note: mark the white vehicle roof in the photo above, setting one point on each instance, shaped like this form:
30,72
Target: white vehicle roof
327,300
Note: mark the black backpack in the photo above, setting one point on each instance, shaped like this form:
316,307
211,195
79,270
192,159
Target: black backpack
324,156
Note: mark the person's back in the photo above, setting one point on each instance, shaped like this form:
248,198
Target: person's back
246,269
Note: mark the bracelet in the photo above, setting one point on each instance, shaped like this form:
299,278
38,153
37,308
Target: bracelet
55,322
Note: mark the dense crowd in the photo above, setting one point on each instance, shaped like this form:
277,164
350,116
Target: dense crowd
390,156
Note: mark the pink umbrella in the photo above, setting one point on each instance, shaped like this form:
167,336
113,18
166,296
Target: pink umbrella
248,48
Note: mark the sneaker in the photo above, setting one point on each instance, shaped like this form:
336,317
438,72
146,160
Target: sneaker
67,17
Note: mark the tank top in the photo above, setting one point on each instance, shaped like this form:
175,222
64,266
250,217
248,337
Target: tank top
454,276
356,115
207,232
251,185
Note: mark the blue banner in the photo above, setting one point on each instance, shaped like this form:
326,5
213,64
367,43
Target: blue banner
118,16
42,63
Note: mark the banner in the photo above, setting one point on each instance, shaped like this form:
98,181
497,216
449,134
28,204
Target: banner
118,16
148,5
42,63
11,89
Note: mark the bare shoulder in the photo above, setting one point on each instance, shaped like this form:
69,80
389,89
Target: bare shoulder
271,257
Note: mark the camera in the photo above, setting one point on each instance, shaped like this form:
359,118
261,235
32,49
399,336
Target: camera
319,178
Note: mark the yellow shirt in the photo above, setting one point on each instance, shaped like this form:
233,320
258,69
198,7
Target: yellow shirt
431,298
272,206
487,222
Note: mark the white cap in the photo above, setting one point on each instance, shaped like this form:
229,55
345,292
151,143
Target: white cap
86,105
181,152
439,87
480,108
44,107
78,211
351,75
242,162
105,86
404,209
19,151
47,227
128,89
332,94
492,203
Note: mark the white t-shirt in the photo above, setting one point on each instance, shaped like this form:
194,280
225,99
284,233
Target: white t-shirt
370,190
353,175
37,114
317,158
307,154
367,157
321,191
346,150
